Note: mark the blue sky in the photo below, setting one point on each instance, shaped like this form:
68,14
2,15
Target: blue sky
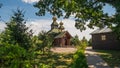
38,22
10,5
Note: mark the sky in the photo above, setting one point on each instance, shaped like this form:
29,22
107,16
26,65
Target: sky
39,23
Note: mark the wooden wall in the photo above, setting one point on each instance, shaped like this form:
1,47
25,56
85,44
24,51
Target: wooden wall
109,44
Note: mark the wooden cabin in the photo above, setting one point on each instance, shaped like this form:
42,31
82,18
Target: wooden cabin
104,39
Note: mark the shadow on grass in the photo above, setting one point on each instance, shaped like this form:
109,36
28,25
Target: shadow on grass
55,60
111,57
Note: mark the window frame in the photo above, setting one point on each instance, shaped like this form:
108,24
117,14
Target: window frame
103,37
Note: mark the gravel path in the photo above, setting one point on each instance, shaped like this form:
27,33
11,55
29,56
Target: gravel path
64,50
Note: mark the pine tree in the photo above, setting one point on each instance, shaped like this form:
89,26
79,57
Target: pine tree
17,32
16,42
75,40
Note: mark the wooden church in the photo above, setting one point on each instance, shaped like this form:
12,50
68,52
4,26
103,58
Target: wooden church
61,37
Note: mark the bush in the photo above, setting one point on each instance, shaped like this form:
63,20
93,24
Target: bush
75,41
79,60
14,56
44,66
90,42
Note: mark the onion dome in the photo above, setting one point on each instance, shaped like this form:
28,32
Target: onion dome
54,24
61,26
61,23
54,18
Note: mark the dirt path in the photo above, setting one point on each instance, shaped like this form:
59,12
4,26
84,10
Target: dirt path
94,60
64,49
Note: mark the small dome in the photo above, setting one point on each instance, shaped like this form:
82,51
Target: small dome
54,18
61,23
61,26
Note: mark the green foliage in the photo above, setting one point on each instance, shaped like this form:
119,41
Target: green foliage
16,44
90,42
83,11
109,56
44,66
14,56
84,40
83,45
55,60
0,39
44,41
16,31
75,41
79,59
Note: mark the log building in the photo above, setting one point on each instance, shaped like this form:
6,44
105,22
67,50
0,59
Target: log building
105,39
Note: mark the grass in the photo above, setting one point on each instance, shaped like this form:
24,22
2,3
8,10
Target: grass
62,60
55,60
111,57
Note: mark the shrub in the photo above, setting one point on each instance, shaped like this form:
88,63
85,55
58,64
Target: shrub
14,56
75,41
44,66
79,60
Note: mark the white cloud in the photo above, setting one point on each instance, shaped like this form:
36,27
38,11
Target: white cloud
39,25
69,25
30,1
44,24
2,26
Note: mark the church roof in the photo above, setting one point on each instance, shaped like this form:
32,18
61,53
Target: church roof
54,31
62,34
103,30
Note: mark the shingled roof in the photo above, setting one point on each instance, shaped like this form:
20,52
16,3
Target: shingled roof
103,30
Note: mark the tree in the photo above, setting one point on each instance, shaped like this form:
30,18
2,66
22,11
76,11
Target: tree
16,43
84,39
84,43
116,17
83,11
90,42
14,56
16,31
46,41
75,40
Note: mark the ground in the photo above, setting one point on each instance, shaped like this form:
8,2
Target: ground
94,60
59,58
64,50
111,57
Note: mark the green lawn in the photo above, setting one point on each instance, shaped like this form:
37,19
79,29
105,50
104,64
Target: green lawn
55,60
111,57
